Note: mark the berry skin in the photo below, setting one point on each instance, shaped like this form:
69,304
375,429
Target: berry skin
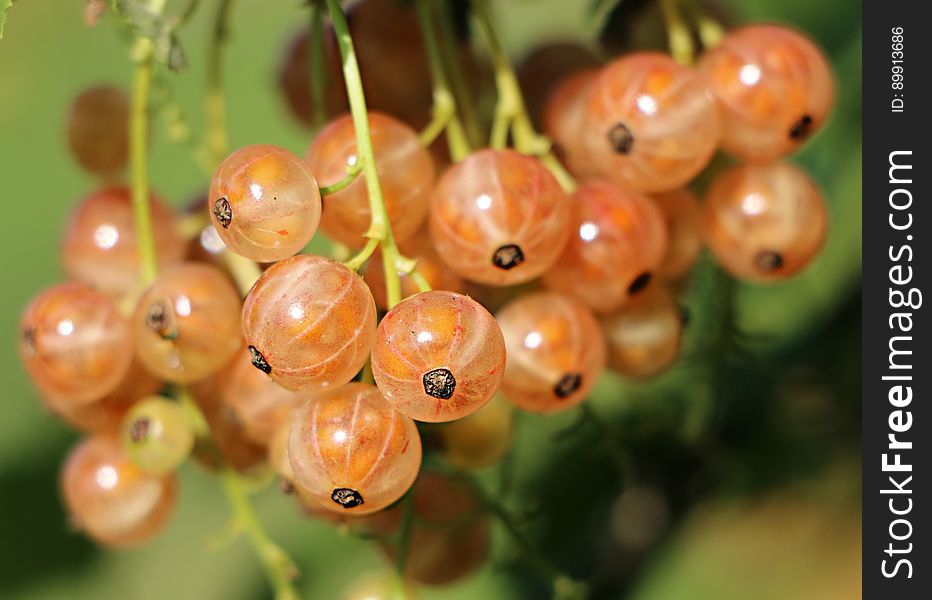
74,344
157,435
499,218
309,323
295,73
98,130
651,123
543,69
479,440
100,247
110,498
438,356
556,352
774,89
764,222
255,401
264,203
352,451
421,249
618,243
186,324
406,172
680,210
644,336
565,117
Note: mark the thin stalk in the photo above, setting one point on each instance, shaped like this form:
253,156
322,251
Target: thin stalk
139,168
351,173
315,45
679,37
445,106
407,525
214,99
710,30
421,281
379,228
360,258
465,100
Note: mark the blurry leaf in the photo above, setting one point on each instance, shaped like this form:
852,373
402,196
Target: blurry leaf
93,11
4,6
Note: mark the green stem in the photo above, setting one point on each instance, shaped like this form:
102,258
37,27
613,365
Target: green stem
139,168
407,526
464,98
315,44
351,173
420,281
214,99
380,228
360,258
710,30
445,109
510,111
678,35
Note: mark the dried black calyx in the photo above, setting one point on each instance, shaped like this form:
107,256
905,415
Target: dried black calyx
286,486
508,256
161,320
621,138
224,212
801,128
258,361
640,282
346,497
139,429
29,341
768,260
439,383
568,384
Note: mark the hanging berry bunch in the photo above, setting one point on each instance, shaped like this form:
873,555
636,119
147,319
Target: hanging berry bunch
502,271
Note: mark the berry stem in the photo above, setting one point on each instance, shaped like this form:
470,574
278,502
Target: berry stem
380,228
710,30
139,168
464,98
679,37
445,108
510,111
214,99
315,44
278,566
360,258
352,172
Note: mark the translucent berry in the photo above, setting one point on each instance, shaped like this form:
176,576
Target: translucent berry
309,323
186,324
644,336
256,401
499,218
651,123
764,222
565,118
680,210
74,343
555,352
158,435
479,440
110,498
619,241
419,248
98,130
264,203
451,536
542,70
100,245
774,88
438,356
406,172
294,78
353,451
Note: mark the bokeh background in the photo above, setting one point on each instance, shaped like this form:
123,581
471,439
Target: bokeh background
740,471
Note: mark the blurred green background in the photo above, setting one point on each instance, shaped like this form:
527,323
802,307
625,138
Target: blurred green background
748,452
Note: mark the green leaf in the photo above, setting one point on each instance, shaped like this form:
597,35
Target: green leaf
4,6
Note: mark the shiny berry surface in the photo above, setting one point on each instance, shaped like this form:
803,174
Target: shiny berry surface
680,211
564,117
309,323
157,434
438,356
420,248
651,123
74,344
110,498
352,451
764,222
100,245
264,203
618,242
186,324
256,401
774,89
499,218
98,130
406,173
644,336
481,439
556,352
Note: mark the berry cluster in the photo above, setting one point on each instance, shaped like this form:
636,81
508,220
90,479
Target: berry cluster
322,373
